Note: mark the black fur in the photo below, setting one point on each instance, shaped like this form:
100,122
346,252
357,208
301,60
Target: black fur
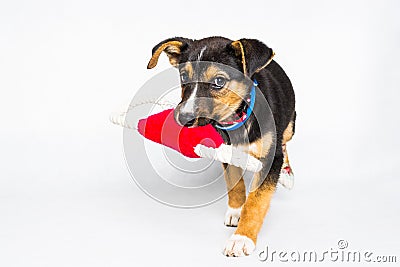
272,81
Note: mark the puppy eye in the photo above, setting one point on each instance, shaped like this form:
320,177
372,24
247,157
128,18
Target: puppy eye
219,82
184,77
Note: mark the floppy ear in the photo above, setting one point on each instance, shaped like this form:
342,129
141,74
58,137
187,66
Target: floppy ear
172,47
253,54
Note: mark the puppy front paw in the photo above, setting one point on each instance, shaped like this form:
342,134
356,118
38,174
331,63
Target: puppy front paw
232,216
238,246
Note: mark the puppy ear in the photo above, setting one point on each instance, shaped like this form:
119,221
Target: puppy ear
173,47
253,54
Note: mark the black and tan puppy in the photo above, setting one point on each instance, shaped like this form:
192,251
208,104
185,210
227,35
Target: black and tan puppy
214,94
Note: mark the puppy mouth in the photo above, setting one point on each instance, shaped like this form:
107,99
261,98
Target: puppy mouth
203,121
233,119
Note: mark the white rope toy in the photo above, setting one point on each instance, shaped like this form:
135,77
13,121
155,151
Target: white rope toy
224,153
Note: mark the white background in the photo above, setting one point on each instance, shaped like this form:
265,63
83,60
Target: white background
66,197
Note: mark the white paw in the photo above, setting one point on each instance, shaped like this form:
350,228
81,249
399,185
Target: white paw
238,246
232,216
286,177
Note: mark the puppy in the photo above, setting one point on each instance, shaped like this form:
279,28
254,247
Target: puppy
213,93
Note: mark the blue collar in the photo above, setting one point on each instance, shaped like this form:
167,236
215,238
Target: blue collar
249,110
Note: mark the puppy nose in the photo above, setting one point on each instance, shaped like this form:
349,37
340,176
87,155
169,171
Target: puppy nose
186,119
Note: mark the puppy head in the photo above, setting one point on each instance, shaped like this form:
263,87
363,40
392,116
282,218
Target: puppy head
214,74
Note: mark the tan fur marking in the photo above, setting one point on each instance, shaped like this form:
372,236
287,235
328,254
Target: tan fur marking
188,68
171,48
235,185
285,156
266,64
212,71
287,136
254,211
261,147
288,133
229,99
239,47
173,60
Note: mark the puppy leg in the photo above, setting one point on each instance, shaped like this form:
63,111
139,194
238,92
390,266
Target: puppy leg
243,241
236,194
286,177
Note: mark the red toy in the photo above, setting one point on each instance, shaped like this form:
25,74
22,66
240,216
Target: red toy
162,128
197,142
